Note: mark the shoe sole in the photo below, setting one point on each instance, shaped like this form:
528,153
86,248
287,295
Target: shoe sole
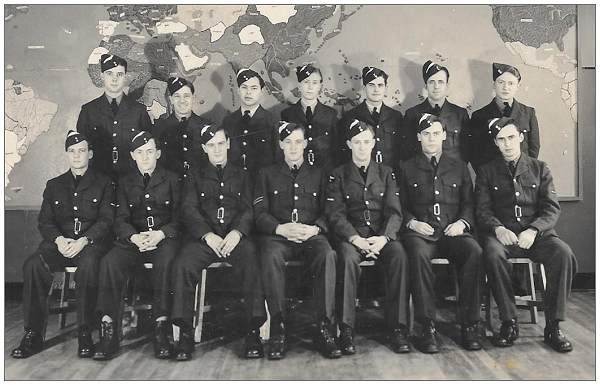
558,350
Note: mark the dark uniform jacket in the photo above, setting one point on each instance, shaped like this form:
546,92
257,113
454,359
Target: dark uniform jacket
217,206
368,208
391,141
252,145
155,207
181,149
527,200
438,198
281,198
111,135
453,117
74,212
482,148
321,133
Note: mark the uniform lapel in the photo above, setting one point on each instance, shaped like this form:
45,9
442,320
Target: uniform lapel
353,174
422,162
445,165
372,174
299,113
522,165
86,180
158,176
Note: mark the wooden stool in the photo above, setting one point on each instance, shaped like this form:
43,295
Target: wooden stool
134,306
63,280
529,300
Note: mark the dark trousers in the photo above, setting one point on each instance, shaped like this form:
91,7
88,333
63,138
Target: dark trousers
393,261
320,260
187,269
118,265
37,276
559,263
465,253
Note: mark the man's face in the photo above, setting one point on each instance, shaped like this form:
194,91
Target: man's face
375,89
506,86
146,156
216,148
79,155
437,87
182,101
432,138
311,87
361,146
293,146
250,92
509,141
114,79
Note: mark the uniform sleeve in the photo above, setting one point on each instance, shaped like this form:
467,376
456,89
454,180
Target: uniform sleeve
243,222
392,210
123,227
106,215
46,223
83,122
192,218
474,143
336,210
322,220
466,199
465,135
171,229
534,136
265,222
145,123
483,198
334,131
407,215
548,206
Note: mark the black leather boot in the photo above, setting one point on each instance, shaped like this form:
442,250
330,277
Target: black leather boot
253,347
470,336
325,342
399,340
429,340
277,342
109,342
31,343
86,345
509,332
346,340
162,347
554,337
185,347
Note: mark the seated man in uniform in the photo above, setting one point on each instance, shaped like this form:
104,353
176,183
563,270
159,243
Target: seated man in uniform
147,228
517,209
437,201
217,214
363,208
75,222
288,212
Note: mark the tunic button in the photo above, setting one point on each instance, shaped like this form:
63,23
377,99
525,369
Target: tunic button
185,175
310,138
184,136
94,200
75,208
453,184
435,177
185,149
55,202
220,196
414,185
366,202
295,197
244,143
75,194
114,148
533,186
245,131
310,126
495,187
222,184
133,129
366,188
437,192
518,219
368,223
378,139
115,122
455,131
438,218
296,185
221,221
515,180
517,193
148,208
378,126
147,195
114,134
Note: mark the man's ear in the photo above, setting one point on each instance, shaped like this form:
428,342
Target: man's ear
349,144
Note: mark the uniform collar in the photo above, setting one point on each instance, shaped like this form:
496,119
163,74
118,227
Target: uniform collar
370,106
252,110
433,105
313,106
118,98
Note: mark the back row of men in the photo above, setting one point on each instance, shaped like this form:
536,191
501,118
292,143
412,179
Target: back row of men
257,216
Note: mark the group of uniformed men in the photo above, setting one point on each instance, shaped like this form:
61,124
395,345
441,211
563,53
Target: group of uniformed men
257,193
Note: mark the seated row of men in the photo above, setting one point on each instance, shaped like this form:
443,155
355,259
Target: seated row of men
295,210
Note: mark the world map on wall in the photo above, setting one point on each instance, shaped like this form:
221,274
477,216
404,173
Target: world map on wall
52,54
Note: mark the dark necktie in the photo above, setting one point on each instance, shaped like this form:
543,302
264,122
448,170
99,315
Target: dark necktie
183,122
146,179
436,110
295,170
309,114
220,171
507,110
512,166
434,162
375,115
114,106
77,180
363,172
246,117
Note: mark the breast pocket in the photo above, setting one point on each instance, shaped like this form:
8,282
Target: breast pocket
419,190
530,188
450,189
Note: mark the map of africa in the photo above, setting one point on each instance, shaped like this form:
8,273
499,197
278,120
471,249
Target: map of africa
52,53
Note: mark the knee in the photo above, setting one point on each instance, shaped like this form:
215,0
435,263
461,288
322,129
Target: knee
272,259
397,255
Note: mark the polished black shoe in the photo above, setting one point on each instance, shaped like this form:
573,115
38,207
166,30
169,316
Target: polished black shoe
253,347
554,337
109,342
346,340
86,345
399,340
185,347
470,336
31,343
277,342
325,342
162,346
509,332
429,339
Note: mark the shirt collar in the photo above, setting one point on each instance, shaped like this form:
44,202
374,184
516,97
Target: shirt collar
312,105
252,110
118,98
433,104
437,156
371,106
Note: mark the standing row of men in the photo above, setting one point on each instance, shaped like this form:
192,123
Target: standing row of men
299,197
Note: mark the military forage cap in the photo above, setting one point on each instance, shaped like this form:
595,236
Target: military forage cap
497,124
246,74
371,73
108,61
499,68
430,68
175,84
356,127
286,129
208,132
302,72
426,121
141,138
73,137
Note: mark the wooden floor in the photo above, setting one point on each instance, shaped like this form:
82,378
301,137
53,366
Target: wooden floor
530,358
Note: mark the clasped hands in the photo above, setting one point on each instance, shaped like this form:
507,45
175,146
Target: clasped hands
296,232
369,247
147,240
69,247
524,240
452,230
223,246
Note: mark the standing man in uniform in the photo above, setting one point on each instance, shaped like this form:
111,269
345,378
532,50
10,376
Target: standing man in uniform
289,215
517,209
363,208
109,121
75,221
455,119
437,201
252,129
179,132
391,143
320,121
217,213
506,84
146,228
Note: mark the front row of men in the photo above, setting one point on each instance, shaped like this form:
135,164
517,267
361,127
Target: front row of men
333,222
